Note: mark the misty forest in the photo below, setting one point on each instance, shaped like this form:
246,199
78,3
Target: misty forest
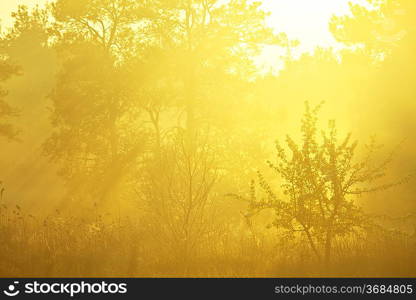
144,138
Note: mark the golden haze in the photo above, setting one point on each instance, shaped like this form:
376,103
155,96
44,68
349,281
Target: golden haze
143,138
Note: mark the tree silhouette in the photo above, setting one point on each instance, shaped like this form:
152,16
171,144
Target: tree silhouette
210,39
319,177
107,23
177,189
125,63
7,130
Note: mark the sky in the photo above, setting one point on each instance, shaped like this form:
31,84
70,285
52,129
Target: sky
304,20
7,6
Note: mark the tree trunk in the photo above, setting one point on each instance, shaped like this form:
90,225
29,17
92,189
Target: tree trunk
190,78
328,248
190,104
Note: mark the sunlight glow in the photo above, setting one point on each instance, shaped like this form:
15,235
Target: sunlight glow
207,138
305,20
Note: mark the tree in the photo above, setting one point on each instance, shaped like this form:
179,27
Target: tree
210,45
98,132
210,39
176,191
7,70
319,177
385,31
380,26
7,130
108,24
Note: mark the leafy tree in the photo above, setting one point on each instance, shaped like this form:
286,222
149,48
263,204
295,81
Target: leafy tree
108,24
125,64
385,32
210,39
319,177
97,134
380,26
7,70
7,130
210,45
30,31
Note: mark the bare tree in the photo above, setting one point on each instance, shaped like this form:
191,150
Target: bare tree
176,190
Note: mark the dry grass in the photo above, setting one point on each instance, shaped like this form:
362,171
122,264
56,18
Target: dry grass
59,245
